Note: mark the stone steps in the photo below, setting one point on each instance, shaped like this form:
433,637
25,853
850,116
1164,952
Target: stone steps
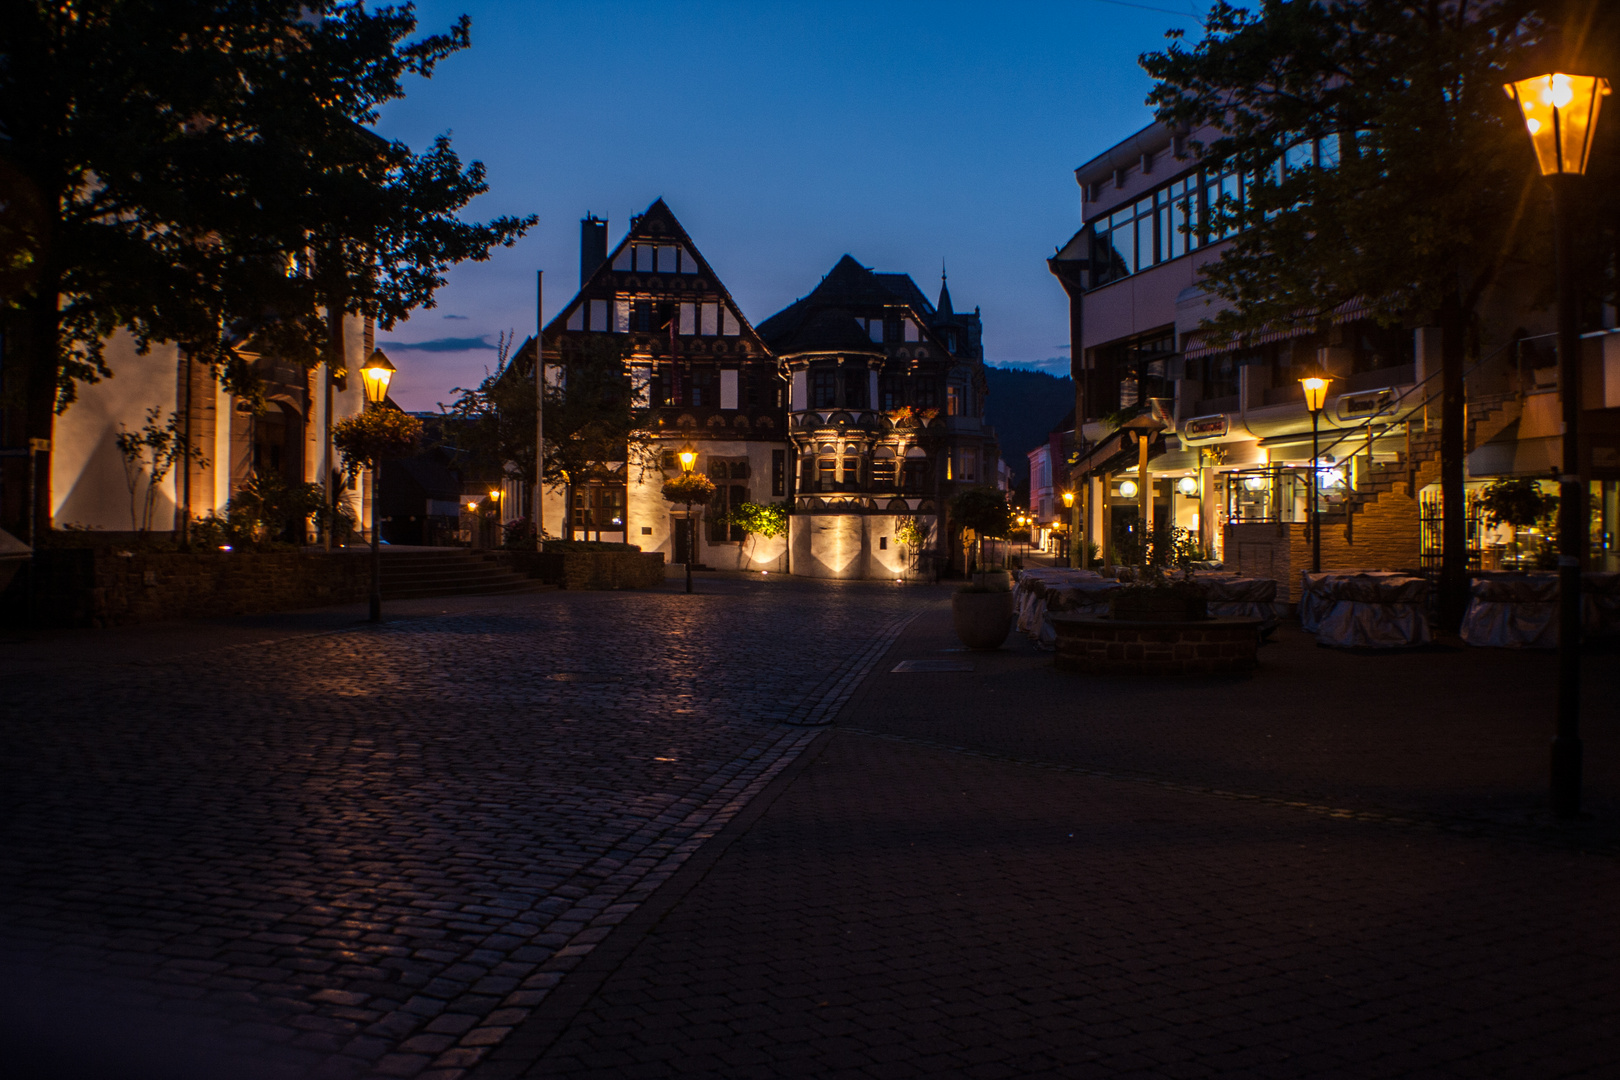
416,575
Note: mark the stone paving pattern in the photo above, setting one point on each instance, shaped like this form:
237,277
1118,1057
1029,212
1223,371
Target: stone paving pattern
373,851
1015,872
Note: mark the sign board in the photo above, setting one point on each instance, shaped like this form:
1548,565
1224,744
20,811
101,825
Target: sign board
1370,403
1204,427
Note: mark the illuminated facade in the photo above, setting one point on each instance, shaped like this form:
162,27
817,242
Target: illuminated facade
886,419
1234,464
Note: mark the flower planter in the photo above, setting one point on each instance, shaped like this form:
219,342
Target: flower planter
983,619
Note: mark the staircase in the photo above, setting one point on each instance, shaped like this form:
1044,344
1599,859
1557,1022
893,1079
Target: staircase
413,574
1486,417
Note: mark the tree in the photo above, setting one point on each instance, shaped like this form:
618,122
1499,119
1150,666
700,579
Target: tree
199,172
595,419
1381,161
984,510
149,454
767,520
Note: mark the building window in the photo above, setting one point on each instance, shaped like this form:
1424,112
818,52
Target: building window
892,388
855,385
927,391
823,389
702,393
883,473
710,325
852,472
827,474
778,472
953,401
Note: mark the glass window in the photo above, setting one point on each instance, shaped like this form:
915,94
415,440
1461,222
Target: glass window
913,332
729,326
827,474
711,320
953,401
855,382
852,472
927,394
576,318
689,263
823,389
688,319
874,330
893,389
669,260
621,315
623,260
599,316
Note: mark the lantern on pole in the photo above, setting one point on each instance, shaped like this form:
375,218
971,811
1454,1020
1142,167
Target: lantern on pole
1560,114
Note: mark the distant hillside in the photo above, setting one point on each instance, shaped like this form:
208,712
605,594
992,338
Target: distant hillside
1024,406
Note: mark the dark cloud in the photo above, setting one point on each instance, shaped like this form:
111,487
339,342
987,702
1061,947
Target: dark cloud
443,344
463,318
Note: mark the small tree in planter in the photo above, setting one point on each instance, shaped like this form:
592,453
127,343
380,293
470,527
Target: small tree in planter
913,536
985,511
1518,504
758,520
691,489
1164,590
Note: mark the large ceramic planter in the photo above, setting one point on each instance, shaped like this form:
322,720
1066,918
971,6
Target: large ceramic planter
983,620
1157,605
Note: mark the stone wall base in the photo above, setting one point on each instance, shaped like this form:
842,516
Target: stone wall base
592,569
101,587
1104,646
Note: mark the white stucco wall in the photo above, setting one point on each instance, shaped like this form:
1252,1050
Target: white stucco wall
88,486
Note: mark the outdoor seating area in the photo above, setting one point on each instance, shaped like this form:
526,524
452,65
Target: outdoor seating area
1365,609
1520,611
1044,591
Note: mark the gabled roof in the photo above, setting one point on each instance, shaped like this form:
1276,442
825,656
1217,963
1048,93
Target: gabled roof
658,226
823,321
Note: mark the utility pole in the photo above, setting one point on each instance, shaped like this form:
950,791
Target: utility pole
539,411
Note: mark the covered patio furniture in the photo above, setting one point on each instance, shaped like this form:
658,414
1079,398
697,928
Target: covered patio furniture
1374,611
1520,611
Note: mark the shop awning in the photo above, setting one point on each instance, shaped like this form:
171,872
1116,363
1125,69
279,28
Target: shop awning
1197,344
1114,453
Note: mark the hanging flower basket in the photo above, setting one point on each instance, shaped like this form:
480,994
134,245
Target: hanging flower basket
689,488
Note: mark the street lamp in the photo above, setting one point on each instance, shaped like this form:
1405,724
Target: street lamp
1145,426
687,455
376,375
1074,530
1560,114
1315,384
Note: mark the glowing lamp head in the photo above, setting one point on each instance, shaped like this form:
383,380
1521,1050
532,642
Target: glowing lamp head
377,374
687,457
1187,485
1068,499
1560,113
473,507
1254,483
494,494
1315,384
1128,488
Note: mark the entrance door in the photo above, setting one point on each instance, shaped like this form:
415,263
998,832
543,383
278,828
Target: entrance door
679,529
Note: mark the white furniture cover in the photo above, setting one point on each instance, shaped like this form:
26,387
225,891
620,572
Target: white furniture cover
1373,611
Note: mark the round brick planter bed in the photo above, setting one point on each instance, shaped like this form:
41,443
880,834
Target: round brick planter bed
1106,646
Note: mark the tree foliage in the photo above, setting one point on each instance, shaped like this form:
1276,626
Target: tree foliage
1423,189
764,520
378,434
692,488
201,172
982,509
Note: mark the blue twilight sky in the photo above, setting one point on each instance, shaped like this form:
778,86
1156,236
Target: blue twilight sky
782,136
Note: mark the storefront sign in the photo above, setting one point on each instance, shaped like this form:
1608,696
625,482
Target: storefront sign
1204,427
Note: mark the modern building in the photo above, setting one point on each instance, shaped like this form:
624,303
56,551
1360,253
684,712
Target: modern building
1233,465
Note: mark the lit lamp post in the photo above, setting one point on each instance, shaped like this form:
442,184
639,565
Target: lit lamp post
495,512
377,374
688,457
1315,384
1561,113
1068,504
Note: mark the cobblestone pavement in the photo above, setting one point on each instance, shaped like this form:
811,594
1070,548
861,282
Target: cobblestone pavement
248,849
1016,872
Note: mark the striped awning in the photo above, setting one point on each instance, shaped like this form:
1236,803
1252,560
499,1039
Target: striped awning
1197,344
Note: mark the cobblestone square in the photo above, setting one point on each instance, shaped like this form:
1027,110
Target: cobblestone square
645,834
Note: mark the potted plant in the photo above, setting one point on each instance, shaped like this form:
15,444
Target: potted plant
983,610
1164,589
